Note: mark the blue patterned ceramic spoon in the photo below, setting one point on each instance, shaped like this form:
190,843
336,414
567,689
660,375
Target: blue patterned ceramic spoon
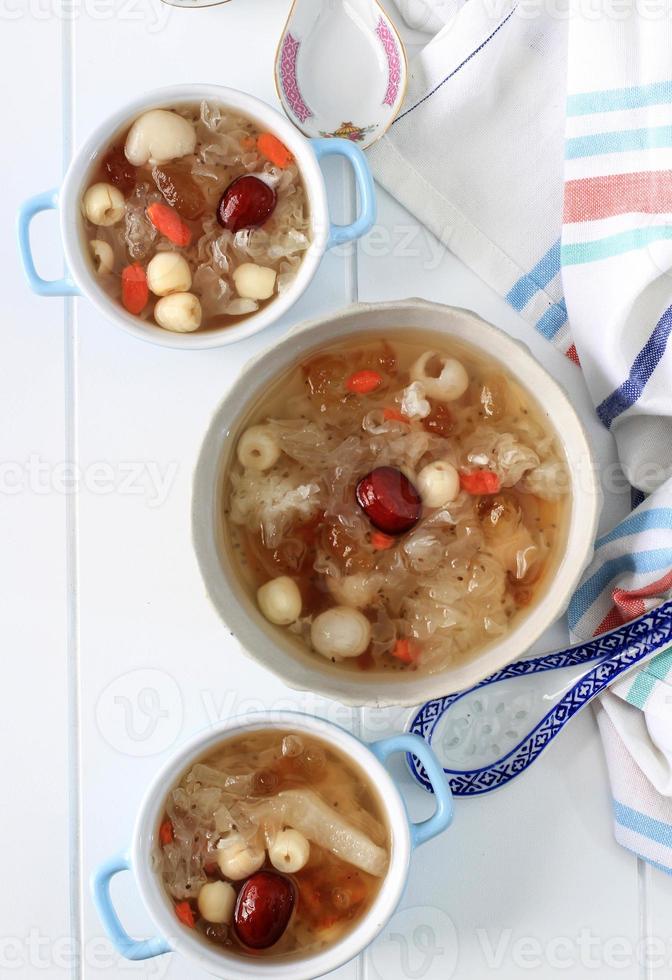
489,734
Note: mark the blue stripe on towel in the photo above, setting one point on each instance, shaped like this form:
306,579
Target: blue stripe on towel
645,364
654,138
537,278
552,319
637,497
660,666
576,253
613,99
655,830
592,588
640,689
655,864
461,65
656,519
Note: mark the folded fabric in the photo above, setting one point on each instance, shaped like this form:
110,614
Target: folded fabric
537,146
477,151
428,16
629,574
642,816
616,250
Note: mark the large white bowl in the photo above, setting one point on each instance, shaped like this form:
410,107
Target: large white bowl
81,278
275,647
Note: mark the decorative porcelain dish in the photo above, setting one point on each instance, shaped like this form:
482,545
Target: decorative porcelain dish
340,69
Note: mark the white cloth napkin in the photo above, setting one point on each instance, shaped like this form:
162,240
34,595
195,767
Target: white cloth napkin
428,15
536,143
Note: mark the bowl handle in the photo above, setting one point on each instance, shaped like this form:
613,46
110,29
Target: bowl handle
47,201
443,815
334,146
131,949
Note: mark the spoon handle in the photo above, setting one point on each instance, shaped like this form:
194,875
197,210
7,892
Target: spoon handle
617,651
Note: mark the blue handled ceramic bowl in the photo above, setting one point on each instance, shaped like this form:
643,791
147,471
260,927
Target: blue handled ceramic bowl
81,279
171,936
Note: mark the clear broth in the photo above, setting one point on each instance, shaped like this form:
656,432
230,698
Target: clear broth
214,253
332,895
468,554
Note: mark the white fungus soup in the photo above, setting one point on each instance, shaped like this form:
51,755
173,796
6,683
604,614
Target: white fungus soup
194,217
273,844
397,505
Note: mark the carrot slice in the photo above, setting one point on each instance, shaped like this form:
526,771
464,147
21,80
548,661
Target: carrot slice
480,481
393,414
134,288
380,541
406,651
170,224
363,382
166,832
274,150
185,914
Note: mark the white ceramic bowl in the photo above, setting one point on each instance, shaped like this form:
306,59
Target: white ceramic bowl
82,279
404,836
277,648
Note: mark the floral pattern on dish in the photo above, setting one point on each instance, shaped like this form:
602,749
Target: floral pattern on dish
348,131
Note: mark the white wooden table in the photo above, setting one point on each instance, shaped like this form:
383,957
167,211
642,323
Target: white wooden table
112,653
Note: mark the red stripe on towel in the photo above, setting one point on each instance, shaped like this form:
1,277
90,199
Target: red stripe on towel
633,602
592,198
610,621
630,603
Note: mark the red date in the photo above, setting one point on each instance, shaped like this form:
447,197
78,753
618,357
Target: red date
263,909
246,203
389,500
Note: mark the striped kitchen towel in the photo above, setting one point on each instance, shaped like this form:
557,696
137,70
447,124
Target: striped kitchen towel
616,257
631,571
536,143
642,815
616,250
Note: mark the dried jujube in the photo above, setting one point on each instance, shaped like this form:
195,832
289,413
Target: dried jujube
263,909
389,500
246,203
